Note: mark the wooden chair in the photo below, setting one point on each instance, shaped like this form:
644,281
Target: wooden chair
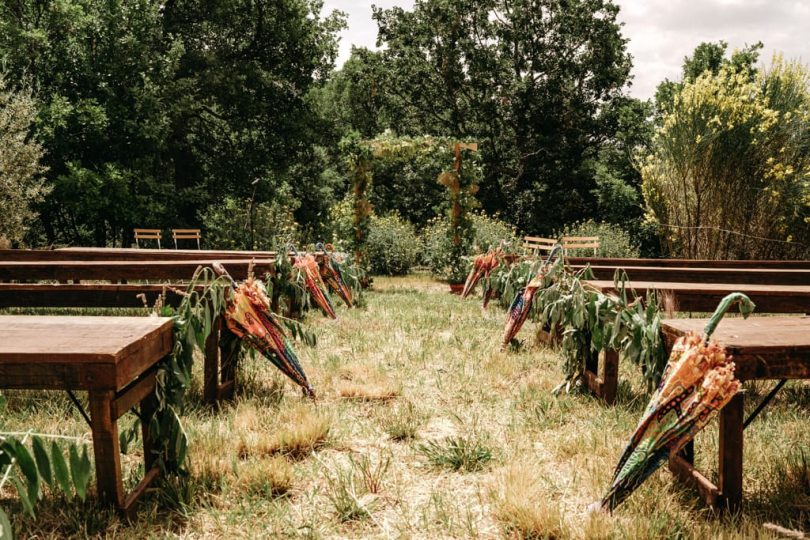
147,234
535,246
186,234
580,242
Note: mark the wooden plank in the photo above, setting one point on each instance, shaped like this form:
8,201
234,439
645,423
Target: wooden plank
706,296
122,270
128,254
688,263
770,276
95,295
686,473
132,499
133,395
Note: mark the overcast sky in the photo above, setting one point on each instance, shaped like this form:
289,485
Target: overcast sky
661,32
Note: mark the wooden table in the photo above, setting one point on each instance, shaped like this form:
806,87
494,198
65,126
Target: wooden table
762,348
113,358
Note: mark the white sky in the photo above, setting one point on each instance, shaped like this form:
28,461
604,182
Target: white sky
661,32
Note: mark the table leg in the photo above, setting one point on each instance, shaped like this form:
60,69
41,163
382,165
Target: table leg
731,452
105,447
149,407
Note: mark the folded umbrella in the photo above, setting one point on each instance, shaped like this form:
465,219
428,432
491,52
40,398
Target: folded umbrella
522,304
248,316
697,382
483,265
308,266
332,276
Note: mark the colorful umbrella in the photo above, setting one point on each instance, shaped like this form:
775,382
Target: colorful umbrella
313,282
483,265
248,316
522,304
697,382
332,275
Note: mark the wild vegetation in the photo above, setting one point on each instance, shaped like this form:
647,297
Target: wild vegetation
135,120
423,428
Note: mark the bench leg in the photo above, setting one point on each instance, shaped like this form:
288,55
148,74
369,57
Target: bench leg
229,359
105,448
610,376
606,385
731,452
211,367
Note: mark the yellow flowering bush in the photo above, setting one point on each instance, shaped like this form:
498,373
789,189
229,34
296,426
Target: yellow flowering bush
727,172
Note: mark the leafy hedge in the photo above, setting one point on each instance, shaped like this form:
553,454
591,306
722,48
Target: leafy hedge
392,245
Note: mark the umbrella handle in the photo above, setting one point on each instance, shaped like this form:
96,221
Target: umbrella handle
219,269
746,308
552,253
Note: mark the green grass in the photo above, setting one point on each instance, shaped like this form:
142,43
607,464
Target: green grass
422,368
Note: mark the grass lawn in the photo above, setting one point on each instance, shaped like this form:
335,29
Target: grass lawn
424,429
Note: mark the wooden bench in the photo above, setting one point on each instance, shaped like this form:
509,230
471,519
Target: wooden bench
762,348
689,297
114,359
704,297
127,254
147,234
686,263
122,270
186,234
770,276
536,246
580,242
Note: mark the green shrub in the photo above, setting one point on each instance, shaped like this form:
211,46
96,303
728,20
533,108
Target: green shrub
342,225
437,249
392,245
489,231
227,225
613,240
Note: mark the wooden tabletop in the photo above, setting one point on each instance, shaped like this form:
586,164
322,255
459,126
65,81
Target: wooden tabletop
762,347
706,296
63,352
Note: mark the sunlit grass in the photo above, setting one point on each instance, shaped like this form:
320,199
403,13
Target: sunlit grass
417,367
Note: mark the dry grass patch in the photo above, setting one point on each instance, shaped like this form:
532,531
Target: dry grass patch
368,392
298,432
523,509
267,477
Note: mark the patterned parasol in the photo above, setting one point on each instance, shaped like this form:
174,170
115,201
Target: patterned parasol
248,316
522,304
308,266
332,276
697,382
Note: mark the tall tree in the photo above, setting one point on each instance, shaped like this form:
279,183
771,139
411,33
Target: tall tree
153,110
528,79
21,183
